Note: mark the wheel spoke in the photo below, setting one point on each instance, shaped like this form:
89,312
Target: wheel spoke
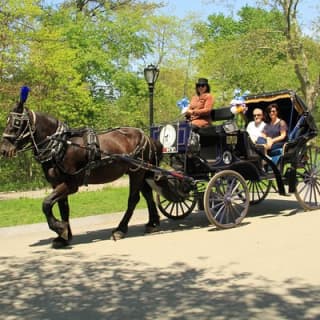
258,190
171,207
182,207
220,213
226,199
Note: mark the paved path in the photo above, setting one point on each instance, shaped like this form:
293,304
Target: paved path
268,268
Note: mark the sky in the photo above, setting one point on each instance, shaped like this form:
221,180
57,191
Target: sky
308,10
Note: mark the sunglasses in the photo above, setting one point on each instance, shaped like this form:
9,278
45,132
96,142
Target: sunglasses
272,111
201,85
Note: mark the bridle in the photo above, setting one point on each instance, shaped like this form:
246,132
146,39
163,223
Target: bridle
25,123
25,128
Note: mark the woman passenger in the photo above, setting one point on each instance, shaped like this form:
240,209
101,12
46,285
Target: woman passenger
276,130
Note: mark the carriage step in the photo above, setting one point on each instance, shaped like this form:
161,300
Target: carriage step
211,161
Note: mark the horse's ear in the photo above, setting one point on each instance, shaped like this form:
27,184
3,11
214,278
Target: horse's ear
24,91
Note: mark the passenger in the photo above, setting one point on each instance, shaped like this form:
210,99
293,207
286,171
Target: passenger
275,131
255,127
199,109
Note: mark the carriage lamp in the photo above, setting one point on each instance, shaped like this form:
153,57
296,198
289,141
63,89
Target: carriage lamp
151,74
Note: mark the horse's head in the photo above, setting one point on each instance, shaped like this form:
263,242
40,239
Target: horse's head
17,132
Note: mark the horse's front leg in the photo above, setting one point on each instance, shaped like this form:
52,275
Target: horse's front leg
65,213
60,195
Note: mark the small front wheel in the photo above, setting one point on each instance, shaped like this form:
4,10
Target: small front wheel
226,199
176,210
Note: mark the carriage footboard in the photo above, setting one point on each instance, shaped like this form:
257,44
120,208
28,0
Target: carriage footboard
170,187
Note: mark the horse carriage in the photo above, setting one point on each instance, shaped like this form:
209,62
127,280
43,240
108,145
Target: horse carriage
228,173
217,168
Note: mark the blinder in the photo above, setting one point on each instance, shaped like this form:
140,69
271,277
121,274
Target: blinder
18,126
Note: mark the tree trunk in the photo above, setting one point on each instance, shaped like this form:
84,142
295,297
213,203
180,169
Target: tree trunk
310,89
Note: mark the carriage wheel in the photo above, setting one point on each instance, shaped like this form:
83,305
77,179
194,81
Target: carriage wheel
226,200
308,180
176,210
258,190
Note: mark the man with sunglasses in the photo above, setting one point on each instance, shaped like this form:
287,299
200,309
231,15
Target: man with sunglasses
255,127
199,109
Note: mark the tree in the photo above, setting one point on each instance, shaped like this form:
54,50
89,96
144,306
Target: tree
299,53
261,50
78,63
245,52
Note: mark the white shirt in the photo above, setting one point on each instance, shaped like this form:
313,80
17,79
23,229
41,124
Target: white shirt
255,130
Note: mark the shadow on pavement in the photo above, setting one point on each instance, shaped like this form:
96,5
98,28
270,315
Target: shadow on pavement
274,207
116,287
193,221
266,209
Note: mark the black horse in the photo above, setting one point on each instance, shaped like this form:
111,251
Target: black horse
73,157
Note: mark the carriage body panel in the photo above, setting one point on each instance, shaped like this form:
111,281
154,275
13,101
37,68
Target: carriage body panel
174,136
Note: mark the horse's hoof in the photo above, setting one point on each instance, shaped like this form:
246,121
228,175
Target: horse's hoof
152,229
65,234
117,235
59,243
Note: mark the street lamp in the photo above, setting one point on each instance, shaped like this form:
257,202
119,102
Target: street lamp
151,74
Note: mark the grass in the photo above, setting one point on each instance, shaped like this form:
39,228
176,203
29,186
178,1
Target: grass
26,211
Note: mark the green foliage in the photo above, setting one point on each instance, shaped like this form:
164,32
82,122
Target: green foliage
77,64
21,173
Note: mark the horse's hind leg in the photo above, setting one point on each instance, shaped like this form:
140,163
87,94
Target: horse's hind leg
135,184
154,218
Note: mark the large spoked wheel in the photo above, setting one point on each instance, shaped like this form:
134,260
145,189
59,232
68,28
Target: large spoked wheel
258,190
308,180
226,200
176,210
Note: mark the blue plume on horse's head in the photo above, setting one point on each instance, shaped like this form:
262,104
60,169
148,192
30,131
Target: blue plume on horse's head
24,94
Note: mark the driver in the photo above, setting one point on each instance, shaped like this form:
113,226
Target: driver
199,109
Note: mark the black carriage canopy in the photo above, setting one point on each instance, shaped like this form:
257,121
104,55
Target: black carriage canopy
290,104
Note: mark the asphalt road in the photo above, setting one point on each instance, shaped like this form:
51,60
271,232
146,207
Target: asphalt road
267,268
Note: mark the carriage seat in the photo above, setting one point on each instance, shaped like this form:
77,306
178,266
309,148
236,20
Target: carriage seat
213,137
221,114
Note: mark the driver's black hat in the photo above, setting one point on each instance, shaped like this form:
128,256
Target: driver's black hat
202,81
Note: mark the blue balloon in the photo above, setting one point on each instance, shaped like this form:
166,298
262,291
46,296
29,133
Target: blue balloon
183,103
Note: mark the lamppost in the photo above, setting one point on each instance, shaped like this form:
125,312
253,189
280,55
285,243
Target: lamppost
151,74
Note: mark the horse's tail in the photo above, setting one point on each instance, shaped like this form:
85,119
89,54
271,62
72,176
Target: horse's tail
158,155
